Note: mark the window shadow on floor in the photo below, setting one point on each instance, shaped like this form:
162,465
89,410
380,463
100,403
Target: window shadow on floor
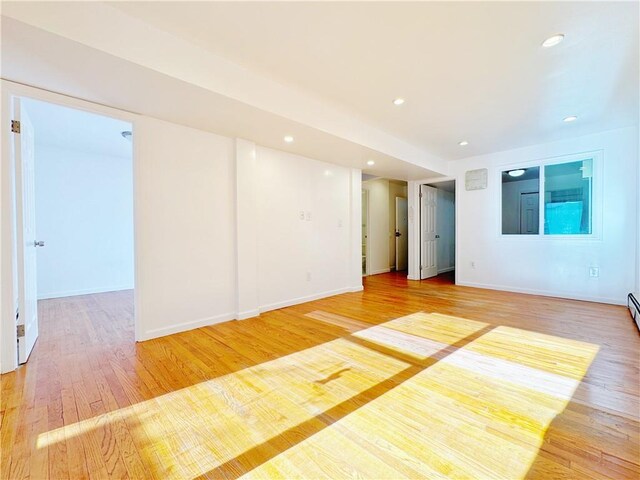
269,449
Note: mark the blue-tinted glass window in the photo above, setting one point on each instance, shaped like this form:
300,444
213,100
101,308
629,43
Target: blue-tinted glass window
568,191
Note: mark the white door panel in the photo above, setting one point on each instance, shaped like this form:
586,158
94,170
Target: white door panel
428,248
25,234
529,213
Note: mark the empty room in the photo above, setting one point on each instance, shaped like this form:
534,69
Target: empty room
320,240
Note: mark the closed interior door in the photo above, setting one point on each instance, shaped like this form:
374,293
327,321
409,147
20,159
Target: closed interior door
402,233
529,213
428,248
27,321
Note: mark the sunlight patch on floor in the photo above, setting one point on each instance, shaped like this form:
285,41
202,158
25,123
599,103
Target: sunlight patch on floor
415,396
191,431
480,412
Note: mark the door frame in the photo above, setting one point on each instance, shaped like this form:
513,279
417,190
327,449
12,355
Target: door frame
8,250
367,249
415,214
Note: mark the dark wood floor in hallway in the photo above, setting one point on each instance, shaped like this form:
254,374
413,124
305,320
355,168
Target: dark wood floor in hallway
404,380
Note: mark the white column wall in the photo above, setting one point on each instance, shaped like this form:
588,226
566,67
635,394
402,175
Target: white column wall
184,228
248,304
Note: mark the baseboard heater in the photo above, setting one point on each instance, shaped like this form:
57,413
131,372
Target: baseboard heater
634,308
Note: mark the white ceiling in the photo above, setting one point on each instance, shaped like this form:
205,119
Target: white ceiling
78,130
468,70
38,58
327,72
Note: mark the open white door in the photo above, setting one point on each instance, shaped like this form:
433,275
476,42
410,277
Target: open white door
27,322
428,237
402,233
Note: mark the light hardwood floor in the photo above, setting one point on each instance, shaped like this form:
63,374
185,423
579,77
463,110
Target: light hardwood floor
407,379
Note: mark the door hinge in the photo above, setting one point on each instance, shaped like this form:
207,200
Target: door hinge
20,330
15,126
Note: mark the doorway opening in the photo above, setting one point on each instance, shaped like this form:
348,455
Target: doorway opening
438,231
365,232
401,234
385,225
74,210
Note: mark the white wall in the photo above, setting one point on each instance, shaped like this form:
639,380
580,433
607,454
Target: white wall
446,228
547,265
185,228
395,190
84,214
378,225
303,226
219,234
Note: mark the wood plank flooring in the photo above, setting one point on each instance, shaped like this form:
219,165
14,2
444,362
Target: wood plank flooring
404,380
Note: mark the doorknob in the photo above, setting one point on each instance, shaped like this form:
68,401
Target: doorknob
437,236
38,243
398,234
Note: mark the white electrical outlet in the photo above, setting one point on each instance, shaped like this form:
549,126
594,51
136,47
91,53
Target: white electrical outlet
308,216
594,272
473,264
301,214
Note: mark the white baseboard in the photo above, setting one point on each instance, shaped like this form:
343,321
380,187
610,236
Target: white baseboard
84,291
248,314
544,293
205,322
308,298
445,270
185,326
382,270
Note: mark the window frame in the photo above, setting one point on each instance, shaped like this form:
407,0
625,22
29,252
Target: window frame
596,200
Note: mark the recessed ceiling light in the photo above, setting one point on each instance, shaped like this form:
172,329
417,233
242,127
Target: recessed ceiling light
398,101
463,143
553,40
571,118
288,138
516,173
370,162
